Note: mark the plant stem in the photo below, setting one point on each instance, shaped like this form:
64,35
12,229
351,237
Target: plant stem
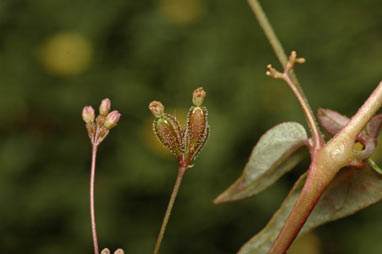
92,211
181,171
364,114
311,120
269,32
280,53
272,37
326,162
314,186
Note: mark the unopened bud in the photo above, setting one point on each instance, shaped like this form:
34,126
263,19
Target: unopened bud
112,119
157,108
119,251
88,114
197,130
104,108
105,251
198,96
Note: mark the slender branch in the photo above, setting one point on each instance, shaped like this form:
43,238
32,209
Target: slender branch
318,140
92,211
269,32
272,38
311,120
280,53
181,170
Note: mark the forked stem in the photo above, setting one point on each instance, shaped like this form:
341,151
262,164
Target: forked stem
181,171
92,210
318,141
334,155
272,38
293,81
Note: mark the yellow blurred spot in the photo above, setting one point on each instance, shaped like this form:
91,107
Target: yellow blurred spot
358,147
151,140
308,244
66,54
181,11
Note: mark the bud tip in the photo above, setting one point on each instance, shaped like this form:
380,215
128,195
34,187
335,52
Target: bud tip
198,96
104,108
88,114
157,108
105,251
112,119
119,251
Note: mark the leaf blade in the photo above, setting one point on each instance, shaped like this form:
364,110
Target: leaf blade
350,191
276,152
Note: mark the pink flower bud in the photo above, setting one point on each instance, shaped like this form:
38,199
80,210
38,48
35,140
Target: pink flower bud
112,119
157,108
198,96
119,251
88,114
104,108
105,251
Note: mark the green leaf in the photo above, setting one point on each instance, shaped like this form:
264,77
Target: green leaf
274,155
350,191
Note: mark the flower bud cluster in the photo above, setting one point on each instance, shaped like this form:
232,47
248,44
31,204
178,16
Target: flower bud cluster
98,127
184,144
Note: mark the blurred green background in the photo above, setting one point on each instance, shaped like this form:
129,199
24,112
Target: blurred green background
57,56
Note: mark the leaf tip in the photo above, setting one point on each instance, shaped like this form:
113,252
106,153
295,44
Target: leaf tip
220,199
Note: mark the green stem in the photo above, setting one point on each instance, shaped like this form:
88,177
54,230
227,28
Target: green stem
181,171
272,37
269,32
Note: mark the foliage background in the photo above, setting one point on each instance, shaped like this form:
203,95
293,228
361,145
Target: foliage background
58,56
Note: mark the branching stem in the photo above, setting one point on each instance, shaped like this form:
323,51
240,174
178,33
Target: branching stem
92,210
286,63
318,141
272,38
333,156
181,171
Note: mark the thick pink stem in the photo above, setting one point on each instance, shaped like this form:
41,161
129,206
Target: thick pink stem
333,156
314,186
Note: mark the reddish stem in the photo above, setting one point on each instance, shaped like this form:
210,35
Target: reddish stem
92,211
333,156
313,188
182,168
